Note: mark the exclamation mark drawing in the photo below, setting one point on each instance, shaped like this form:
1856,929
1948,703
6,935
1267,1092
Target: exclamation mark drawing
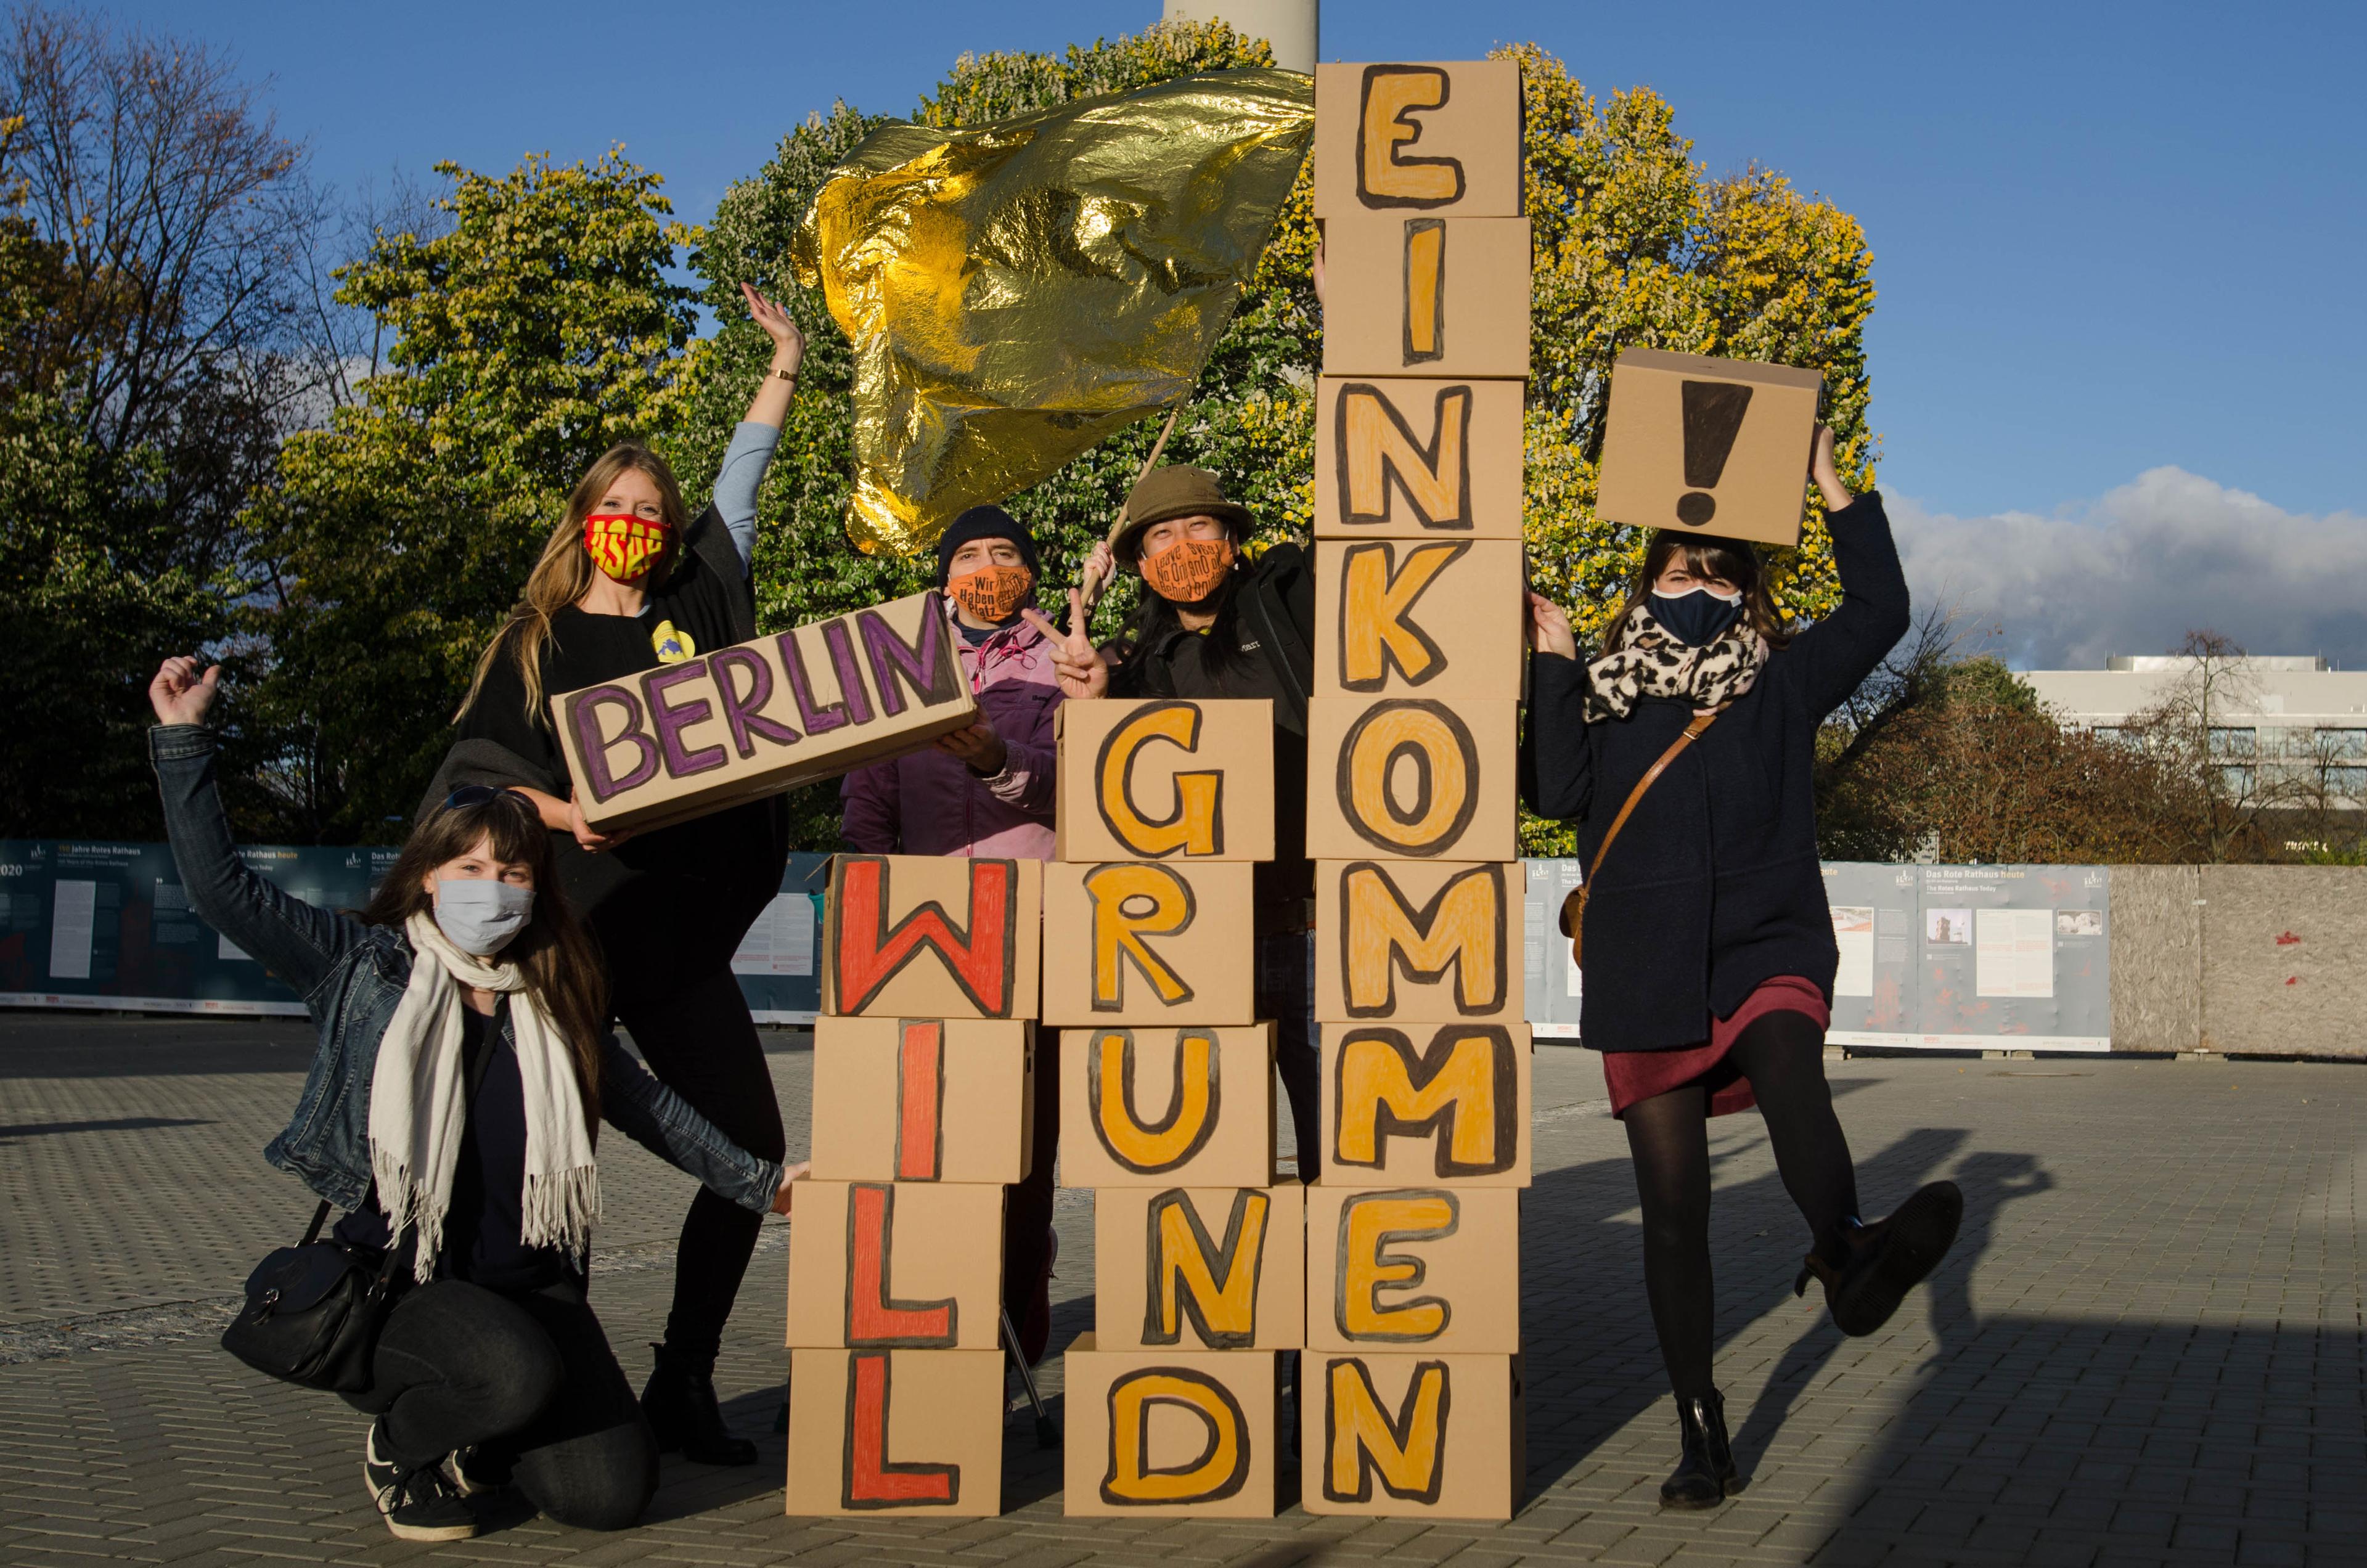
1713,418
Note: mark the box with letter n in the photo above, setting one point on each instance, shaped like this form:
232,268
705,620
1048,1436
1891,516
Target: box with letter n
733,724
1411,1388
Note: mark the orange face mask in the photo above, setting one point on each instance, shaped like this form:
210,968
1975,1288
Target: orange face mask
992,593
623,546
1189,569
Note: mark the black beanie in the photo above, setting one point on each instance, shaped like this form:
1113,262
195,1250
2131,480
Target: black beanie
984,523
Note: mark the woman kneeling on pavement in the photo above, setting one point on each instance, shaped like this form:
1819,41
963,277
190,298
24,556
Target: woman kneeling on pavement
452,1110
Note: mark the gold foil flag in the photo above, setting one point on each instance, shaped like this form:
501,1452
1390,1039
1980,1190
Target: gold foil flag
1017,291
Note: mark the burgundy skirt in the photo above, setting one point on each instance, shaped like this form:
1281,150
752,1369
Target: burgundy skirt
1632,1076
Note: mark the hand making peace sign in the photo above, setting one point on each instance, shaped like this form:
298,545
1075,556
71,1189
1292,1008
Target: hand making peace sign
1075,660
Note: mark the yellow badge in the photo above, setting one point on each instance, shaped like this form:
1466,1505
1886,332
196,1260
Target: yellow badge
674,647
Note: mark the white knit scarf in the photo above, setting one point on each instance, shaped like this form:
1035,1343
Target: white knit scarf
419,1108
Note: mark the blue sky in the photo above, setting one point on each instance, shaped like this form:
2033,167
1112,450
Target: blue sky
2110,238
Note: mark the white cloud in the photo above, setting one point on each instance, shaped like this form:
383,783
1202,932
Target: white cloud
2132,573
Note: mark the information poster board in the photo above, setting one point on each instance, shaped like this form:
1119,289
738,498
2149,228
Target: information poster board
2014,957
1932,957
1555,988
107,925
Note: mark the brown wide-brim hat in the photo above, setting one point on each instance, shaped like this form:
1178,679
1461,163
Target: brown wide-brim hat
1177,490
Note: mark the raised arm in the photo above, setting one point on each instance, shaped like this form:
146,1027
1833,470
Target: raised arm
295,941
751,452
1556,768
1833,657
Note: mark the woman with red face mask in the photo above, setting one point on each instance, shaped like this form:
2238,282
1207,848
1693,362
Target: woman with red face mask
988,790
626,582
1213,624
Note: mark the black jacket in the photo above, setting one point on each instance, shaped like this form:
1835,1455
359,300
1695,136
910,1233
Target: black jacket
1713,885
1271,618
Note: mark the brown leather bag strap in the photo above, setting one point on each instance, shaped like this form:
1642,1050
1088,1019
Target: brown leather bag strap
1573,910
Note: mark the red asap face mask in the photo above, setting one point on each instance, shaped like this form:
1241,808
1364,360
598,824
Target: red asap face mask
623,546
992,593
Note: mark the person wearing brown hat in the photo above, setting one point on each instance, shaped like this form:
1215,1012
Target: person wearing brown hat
1214,624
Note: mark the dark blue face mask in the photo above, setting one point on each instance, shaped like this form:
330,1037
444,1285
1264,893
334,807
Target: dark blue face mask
1695,618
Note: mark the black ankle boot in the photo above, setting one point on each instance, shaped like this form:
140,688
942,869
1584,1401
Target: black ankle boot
1705,1476
679,1401
1882,1261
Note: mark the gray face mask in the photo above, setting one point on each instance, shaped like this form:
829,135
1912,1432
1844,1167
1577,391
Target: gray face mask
479,915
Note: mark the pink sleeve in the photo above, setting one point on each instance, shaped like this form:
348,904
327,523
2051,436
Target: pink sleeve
871,798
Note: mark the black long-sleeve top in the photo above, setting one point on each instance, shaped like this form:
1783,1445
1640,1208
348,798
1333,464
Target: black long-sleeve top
1713,885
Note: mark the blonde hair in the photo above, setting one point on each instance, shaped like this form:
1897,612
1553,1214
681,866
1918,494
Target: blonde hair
564,573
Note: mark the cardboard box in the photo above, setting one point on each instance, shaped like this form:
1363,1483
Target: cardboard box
1421,940
1166,780
734,724
1439,136
895,1431
1411,778
1702,445
1430,1267
1426,296
1441,617
896,1265
930,936
1154,1433
1203,1268
1415,457
923,1099
1154,1106
1439,1104
1147,941
1443,1436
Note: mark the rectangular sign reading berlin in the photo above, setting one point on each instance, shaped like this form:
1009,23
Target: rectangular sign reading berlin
737,723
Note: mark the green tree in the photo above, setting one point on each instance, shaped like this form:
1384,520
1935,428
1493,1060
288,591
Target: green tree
1635,246
1249,417
537,331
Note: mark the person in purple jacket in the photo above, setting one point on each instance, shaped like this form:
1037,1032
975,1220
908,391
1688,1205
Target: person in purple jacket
988,790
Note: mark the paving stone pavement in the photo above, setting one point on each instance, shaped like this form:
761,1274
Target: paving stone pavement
2145,1348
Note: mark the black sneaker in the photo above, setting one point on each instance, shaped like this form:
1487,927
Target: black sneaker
418,1504
473,1472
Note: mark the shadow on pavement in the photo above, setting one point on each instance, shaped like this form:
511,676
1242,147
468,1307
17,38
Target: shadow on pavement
116,1124
1592,1360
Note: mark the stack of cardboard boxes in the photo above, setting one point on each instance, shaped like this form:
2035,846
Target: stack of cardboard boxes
1412,1394
923,1063
1167,1104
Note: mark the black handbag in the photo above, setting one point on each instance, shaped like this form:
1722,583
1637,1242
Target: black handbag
313,1311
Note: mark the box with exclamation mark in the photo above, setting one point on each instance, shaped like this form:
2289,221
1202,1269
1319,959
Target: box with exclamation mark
1703,445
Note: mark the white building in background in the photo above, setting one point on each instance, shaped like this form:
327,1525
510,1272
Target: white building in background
2273,714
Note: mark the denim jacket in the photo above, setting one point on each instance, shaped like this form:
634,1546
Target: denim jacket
350,976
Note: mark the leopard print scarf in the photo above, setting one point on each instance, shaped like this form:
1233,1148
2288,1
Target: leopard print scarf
1650,663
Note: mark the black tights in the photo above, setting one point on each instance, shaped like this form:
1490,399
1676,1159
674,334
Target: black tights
1782,1055
702,1043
